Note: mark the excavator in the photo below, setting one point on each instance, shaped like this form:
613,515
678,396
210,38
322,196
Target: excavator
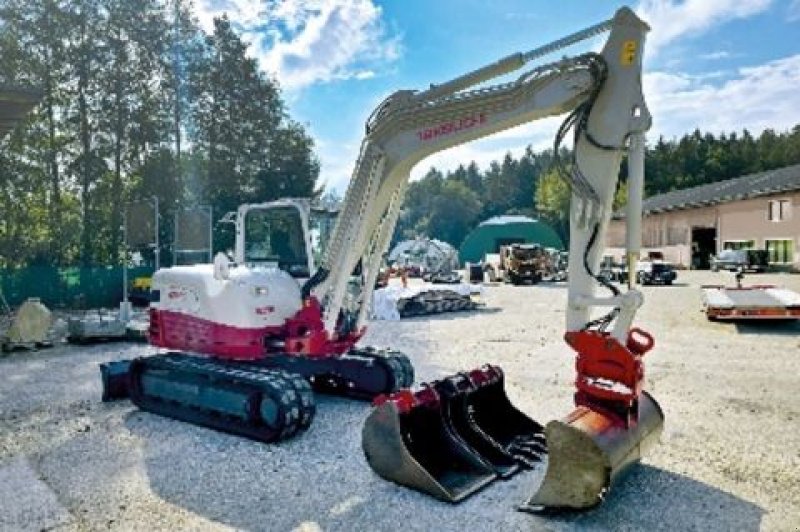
247,341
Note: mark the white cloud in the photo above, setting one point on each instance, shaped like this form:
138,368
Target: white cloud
756,98
671,19
310,41
721,54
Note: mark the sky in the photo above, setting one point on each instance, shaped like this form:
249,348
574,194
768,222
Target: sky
717,65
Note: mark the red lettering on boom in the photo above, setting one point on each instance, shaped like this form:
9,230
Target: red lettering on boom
453,126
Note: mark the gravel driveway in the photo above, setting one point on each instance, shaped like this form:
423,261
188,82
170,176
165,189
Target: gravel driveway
729,458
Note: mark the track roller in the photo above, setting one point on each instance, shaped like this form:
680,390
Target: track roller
254,402
361,373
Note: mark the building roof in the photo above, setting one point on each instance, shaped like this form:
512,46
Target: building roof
784,179
508,219
501,230
15,104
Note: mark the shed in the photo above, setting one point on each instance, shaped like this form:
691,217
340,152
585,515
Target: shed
503,230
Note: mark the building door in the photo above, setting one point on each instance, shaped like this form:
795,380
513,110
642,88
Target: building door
704,246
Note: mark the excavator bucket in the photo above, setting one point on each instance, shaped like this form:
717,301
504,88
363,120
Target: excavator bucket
408,439
456,414
589,450
492,412
452,437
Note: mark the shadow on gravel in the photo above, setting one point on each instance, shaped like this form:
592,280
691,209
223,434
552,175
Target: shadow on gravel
317,477
321,481
650,498
778,327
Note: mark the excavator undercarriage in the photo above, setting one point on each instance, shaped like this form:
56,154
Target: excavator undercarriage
268,400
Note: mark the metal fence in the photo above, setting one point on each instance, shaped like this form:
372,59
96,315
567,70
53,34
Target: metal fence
74,288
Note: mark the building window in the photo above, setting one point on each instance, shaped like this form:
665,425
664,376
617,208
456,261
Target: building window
739,244
780,251
677,236
779,210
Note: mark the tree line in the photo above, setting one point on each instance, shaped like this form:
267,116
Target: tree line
137,102
449,205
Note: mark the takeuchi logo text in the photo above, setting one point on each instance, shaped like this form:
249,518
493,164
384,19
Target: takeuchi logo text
452,126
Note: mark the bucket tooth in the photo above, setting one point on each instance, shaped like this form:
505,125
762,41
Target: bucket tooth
589,450
492,411
457,412
407,440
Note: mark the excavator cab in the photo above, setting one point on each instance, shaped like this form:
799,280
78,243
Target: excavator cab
276,234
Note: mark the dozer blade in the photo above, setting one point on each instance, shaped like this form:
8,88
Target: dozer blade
407,440
115,379
589,450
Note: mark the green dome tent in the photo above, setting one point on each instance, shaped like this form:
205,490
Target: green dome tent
503,230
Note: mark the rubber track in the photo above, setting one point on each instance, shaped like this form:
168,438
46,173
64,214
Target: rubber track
434,303
291,395
396,364
361,373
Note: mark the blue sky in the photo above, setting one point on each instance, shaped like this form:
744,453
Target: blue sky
717,65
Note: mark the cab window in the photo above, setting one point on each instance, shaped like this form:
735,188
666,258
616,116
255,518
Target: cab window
275,235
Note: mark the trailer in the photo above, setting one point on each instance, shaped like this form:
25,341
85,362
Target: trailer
756,302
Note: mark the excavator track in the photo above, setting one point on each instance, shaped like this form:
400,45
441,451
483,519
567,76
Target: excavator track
361,373
435,302
244,399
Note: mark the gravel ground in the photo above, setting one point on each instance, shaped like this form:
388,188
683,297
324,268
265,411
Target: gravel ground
729,458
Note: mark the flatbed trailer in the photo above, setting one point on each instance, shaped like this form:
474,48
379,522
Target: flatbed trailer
757,302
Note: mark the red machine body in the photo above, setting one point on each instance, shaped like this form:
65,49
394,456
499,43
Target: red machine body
303,334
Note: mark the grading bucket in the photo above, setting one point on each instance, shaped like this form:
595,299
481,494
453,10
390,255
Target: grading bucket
589,450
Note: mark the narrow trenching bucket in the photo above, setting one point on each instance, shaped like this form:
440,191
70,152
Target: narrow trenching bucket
492,411
478,409
589,450
407,440
455,393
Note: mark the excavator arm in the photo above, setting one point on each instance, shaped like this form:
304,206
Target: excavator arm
603,93
455,435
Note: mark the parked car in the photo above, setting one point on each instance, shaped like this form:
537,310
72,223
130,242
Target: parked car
655,272
741,259
610,270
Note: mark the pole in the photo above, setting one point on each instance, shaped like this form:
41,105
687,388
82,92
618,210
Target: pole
125,256
157,250
125,306
633,215
210,234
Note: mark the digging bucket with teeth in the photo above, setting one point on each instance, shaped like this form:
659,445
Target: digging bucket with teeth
615,421
477,408
407,439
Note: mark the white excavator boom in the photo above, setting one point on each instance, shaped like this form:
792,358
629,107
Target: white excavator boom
409,126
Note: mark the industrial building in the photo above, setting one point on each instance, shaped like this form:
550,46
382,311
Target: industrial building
756,211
